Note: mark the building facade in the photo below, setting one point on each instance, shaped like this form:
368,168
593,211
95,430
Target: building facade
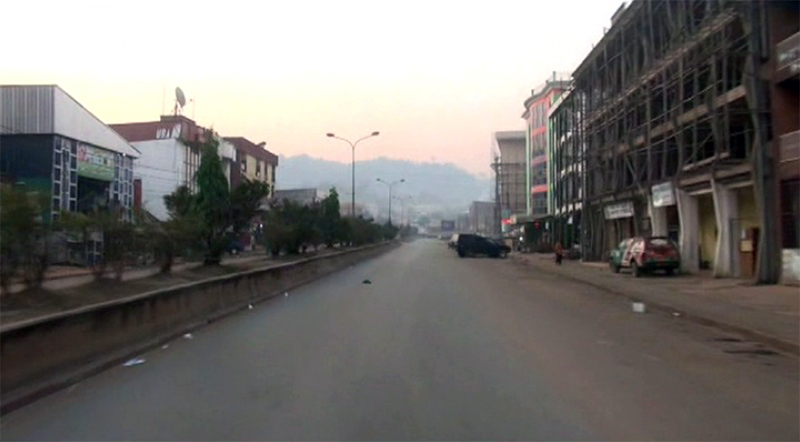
535,116
566,169
51,144
784,72
511,176
675,125
483,218
303,197
254,162
170,156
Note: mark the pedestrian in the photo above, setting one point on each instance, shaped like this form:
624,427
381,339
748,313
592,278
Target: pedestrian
559,252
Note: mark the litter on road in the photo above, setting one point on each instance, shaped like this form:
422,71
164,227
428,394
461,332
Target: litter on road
250,307
286,295
165,346
639,307
188,336
134,361
367,281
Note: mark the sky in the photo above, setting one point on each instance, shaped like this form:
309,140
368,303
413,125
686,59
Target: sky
436,78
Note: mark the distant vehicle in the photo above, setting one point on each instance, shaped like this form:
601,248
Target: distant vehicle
646,255
471,245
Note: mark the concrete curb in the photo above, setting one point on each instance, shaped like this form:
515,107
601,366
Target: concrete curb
21,396
787,347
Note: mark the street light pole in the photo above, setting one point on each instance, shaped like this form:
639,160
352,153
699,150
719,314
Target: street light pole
353,165
390,193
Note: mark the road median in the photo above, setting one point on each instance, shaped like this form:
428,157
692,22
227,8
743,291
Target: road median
41,355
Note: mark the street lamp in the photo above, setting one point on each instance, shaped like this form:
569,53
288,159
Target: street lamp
353,146
390,193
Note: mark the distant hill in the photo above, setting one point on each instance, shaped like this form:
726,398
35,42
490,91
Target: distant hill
433,187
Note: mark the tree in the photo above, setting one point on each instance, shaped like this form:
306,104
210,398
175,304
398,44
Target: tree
330,216
180,202
212,202
23,236
246,202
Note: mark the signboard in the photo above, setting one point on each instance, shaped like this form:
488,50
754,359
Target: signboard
619,210
448,226
95,163
663,195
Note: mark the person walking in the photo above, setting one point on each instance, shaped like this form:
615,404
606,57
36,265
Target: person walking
559,252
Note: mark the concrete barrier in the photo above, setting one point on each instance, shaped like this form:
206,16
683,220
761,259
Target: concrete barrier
44,354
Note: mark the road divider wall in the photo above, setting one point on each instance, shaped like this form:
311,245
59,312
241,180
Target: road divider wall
49,352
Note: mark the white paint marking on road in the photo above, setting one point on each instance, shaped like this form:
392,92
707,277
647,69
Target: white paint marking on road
133,362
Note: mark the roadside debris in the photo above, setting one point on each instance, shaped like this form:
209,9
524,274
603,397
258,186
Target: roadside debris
639,307
676,314
367,281
188,336
250,306
134,361
165,346
286,295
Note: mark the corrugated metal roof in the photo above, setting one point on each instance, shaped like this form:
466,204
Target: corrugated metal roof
48,109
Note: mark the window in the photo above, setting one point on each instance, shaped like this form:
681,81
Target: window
244,163
258,168
57,158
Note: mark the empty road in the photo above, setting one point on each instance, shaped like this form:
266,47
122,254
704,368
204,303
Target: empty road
436,348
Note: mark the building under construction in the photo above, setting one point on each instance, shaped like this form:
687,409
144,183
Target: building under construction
511,188
675,122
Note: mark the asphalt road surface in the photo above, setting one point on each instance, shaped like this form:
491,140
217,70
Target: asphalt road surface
436,348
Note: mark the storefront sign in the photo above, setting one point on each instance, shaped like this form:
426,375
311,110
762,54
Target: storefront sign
663,195
95,163
619,210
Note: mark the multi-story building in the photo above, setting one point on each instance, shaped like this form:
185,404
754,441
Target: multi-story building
303,197
170,156
783,22
254,161
566,169
483,218
511,176
675,124
50,143
535,116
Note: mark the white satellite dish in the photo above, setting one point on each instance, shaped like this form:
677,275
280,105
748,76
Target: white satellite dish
180,97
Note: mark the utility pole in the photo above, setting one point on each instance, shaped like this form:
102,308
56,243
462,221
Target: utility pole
497,210
768,261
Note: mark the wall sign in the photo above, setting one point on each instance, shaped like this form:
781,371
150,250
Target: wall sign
663,195
619,210
95,163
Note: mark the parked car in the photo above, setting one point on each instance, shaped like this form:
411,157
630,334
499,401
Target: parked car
471,245
646,255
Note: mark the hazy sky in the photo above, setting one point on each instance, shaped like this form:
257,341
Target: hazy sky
435,78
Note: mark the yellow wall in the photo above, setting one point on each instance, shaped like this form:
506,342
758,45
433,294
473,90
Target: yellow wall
708,228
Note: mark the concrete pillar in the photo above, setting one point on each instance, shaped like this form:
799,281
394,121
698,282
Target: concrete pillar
689,240
658,218
726,209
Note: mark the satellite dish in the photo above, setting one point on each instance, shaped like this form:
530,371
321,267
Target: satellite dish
180,97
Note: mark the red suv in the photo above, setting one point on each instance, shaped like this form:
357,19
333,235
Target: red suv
646,255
